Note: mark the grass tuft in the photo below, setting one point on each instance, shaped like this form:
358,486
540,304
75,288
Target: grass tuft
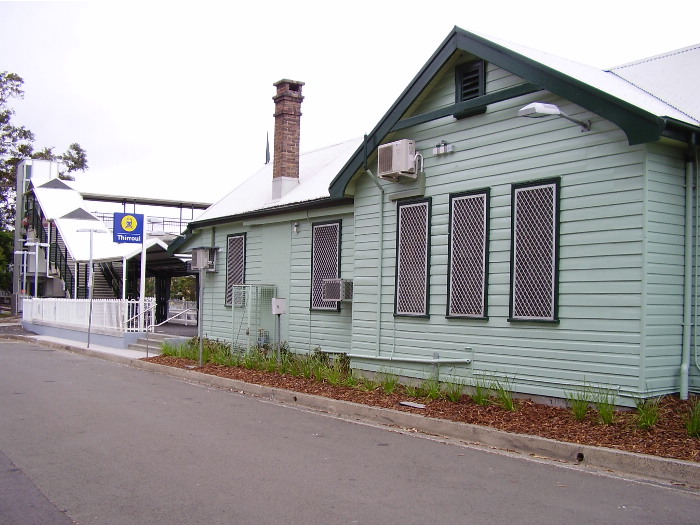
481,395
604,399
579,401
504,393
647,411
692,423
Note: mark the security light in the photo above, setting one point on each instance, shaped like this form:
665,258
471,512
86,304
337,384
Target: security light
540,109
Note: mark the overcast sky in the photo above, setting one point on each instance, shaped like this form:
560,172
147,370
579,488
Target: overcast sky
174,99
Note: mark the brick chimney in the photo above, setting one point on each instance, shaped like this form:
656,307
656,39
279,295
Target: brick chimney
285,170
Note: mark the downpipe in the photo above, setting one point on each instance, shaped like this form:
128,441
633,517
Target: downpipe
688,273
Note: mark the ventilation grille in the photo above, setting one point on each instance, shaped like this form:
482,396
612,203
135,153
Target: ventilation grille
471,84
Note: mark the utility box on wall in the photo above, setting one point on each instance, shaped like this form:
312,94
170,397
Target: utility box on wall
279,306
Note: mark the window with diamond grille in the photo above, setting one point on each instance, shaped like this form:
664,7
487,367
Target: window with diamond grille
412,257
535,210
468,267
325,262
235,268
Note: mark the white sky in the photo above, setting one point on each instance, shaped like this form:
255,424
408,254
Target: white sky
174,99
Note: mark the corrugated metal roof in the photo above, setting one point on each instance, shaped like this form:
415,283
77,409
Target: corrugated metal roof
672,77
316,171
662,85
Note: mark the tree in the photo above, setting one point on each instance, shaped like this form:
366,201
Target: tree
16,144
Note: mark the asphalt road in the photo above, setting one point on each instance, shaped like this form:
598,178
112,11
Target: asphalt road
103,443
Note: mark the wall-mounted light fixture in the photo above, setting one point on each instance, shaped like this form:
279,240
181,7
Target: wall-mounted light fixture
296,227
540,109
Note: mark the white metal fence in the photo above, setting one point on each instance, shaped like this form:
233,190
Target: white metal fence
182,312
108,314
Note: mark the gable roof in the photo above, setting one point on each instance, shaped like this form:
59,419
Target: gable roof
642,116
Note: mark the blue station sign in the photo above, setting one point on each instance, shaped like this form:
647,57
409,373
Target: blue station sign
128,227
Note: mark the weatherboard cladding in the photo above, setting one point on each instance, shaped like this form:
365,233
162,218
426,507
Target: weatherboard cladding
278,256
599,336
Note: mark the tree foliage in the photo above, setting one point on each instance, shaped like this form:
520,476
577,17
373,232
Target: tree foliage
17,143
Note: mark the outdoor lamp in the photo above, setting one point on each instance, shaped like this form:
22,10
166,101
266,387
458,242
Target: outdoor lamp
540,109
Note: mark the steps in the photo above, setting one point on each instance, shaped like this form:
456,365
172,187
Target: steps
152,344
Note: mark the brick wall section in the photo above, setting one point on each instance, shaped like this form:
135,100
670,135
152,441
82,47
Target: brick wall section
287,128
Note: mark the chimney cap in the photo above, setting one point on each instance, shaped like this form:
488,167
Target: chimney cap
295,85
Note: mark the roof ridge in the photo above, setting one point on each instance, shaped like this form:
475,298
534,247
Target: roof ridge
656,57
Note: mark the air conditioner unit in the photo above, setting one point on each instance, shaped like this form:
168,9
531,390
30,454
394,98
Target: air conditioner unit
397,159
336,289
204,259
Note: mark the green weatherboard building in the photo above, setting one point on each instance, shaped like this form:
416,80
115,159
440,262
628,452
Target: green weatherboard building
513,215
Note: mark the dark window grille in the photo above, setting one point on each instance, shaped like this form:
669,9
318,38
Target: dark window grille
412,257
468,255
235,269
534,253
325,262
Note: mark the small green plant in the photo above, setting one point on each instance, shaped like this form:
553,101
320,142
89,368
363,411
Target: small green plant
431,388
481,395
367,383
413,390
579,400
453,391
692,423
388,381
334,373
504,393
604,399
351,380
647,411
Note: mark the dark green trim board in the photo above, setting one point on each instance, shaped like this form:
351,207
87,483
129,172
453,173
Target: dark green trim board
468,107
638,125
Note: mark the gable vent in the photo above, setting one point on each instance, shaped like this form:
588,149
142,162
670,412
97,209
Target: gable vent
470,81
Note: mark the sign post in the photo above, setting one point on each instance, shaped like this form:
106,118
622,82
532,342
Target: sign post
129,228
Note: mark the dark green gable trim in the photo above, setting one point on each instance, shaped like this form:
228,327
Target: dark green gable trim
640,126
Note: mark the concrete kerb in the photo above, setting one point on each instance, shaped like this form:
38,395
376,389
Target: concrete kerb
663,469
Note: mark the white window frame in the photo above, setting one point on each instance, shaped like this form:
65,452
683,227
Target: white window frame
538,244
323,266
468,256
231,253
412,286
